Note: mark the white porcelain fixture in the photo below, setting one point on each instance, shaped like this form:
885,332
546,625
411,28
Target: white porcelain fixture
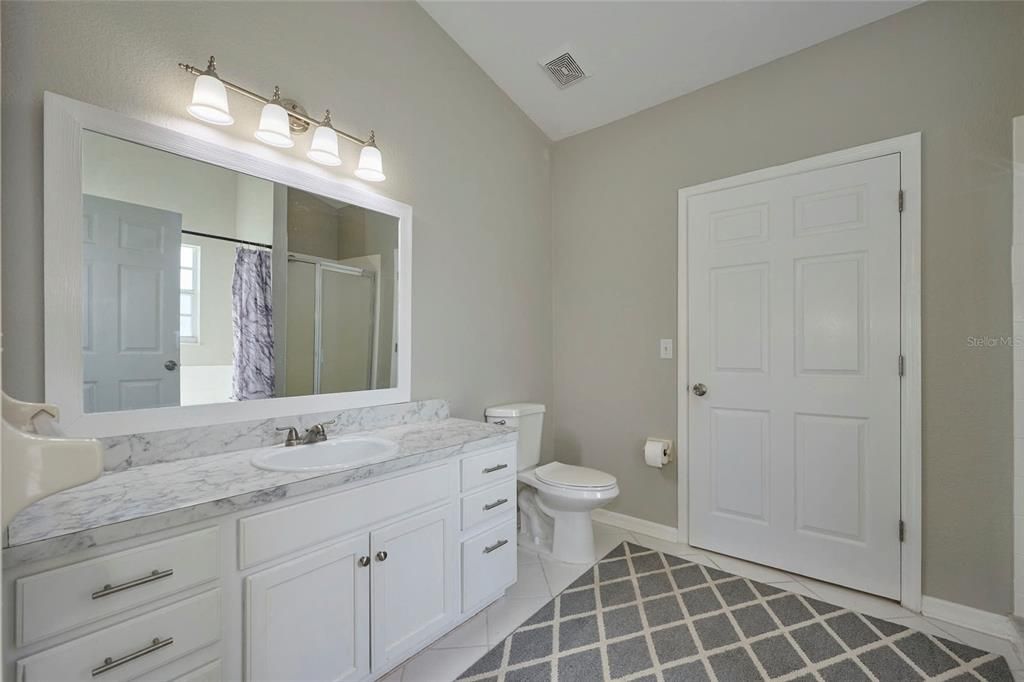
333,454
558,498
36,461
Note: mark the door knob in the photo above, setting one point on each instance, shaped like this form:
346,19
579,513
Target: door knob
171,365
364,561
700,389
382,555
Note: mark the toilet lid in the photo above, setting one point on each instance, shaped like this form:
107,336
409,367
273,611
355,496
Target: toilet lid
571,476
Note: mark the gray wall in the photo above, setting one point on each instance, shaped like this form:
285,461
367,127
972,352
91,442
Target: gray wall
473,167
953,71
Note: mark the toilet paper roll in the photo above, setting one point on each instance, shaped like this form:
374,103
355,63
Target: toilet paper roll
655,453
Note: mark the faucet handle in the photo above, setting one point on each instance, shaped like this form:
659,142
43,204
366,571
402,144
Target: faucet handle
293,435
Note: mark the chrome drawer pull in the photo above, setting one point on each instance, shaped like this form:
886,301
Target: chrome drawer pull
114,589
496,503
111,663
496,467
497,545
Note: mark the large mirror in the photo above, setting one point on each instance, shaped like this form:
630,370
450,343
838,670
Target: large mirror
204,285
193,279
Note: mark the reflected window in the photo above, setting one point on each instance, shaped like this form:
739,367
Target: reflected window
188,324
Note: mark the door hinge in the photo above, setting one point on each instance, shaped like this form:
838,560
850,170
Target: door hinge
902,365
903,531
901,201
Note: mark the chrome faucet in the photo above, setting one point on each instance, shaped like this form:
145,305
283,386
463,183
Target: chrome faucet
316,433
292,438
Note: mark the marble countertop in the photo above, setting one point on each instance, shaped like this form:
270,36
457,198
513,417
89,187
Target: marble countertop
145,499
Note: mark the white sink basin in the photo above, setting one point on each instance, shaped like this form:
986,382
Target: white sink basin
330,455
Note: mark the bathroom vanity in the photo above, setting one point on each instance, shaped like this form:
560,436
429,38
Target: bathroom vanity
193,557
212,569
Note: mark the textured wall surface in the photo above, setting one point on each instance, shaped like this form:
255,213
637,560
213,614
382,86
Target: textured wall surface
951,70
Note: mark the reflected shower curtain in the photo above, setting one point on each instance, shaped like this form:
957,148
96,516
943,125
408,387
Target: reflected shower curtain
253,322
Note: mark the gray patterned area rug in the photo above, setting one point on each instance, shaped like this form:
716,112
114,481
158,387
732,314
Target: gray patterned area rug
639,614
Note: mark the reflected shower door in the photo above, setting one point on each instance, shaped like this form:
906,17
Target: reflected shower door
347,302
301,329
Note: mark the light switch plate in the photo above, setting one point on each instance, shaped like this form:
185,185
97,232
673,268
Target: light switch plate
666,349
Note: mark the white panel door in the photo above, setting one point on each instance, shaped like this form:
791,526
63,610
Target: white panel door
309,619
415,583
130,297
794,330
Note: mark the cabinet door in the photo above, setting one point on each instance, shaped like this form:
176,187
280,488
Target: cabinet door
415,583
309,619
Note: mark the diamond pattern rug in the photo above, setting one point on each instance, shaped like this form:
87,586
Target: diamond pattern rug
643,615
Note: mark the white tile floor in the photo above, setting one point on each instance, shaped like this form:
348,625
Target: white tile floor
541,579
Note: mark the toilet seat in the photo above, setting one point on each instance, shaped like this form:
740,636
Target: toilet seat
570,476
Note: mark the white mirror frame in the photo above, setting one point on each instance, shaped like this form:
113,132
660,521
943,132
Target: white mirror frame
64,121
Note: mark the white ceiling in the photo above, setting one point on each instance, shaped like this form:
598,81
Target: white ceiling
638,54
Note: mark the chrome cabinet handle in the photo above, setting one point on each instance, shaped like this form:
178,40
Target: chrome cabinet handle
364,561
497,545
145,580
111,663
496,467
382,555
496,503
700,390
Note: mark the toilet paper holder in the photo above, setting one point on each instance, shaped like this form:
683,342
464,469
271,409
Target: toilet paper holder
657,452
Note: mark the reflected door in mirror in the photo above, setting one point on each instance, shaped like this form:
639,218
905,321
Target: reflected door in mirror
130,273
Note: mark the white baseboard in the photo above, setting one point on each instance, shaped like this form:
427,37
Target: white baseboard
969,617
626,522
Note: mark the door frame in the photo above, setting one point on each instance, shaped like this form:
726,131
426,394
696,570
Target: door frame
909,149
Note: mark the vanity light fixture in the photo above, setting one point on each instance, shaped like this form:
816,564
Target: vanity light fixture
324,147
274,129
210,99
371,165
279,120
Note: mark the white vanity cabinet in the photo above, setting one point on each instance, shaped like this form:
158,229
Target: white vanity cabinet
342,584
415,583
309,618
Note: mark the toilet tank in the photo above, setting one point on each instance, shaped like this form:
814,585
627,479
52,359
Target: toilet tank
529,419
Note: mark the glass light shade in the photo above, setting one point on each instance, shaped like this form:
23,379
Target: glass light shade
274,128
324,147
371,165
210,102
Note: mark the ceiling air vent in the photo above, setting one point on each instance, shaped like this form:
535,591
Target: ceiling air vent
565,70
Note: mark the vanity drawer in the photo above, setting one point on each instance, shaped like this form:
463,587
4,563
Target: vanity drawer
488,504
211,672
488,564
134,647
280,532
56,601
488,467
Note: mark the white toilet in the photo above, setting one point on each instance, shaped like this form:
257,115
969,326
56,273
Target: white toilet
557,498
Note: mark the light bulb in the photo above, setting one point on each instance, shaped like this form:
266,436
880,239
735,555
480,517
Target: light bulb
324,147
210,101
371,164
274,129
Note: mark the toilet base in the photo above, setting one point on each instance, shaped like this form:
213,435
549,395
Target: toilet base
567,537
574,538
